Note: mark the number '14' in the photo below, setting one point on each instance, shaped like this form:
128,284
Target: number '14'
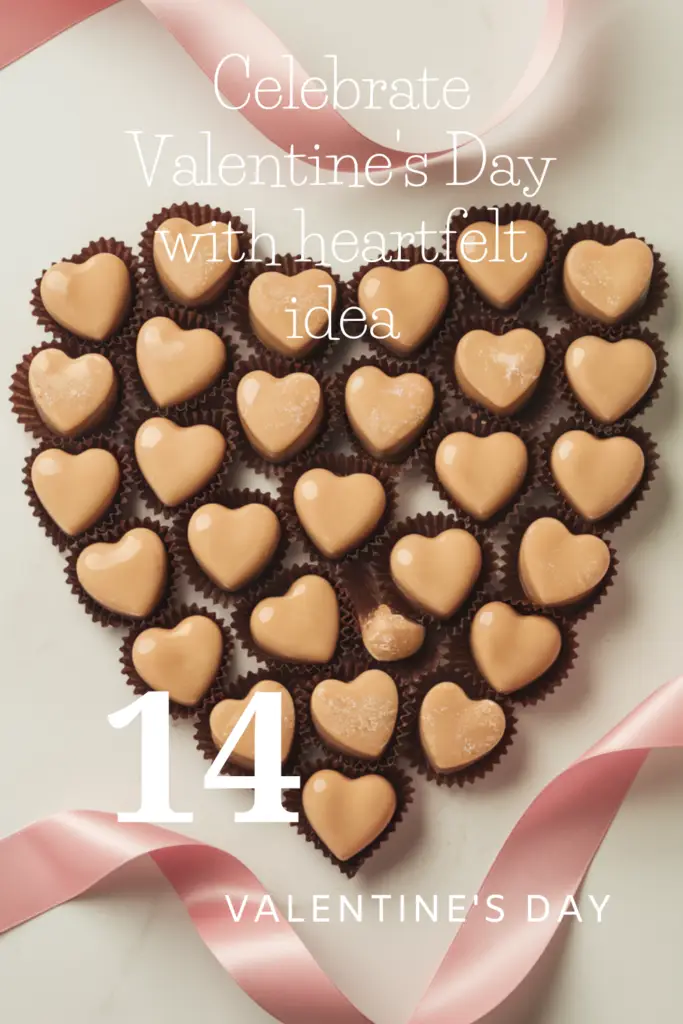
267,782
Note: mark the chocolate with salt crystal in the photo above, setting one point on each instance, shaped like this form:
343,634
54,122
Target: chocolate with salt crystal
607,282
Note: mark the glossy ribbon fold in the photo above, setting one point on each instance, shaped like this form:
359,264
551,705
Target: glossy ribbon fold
548,851
211,29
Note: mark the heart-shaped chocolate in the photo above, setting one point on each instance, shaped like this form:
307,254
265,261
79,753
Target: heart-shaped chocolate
387,413
609,377
71,396
290,315
224,717
456,731
389,636
512,650
90,299
338,512
194,262
357,718
501,265
177,365
596,474
127,576
177,462
499,371
233,545
302,625
557,567
182,661
348,814
481,474
280,415
607,282
75,490
436,573
404,307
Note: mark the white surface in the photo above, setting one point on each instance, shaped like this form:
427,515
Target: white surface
610,113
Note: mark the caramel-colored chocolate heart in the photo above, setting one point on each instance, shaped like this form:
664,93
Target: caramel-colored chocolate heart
557,567
481,474
500,371
404,307
387,413
338,512
302,625
389,636
71,396
512,650
609,377
75,490
225,715
436,573
90,299
183,660
596,474
607,282
357,718
233,545
177,365
348,814
178,461
500,266
280,415
127,576
194,263
456,731
290,315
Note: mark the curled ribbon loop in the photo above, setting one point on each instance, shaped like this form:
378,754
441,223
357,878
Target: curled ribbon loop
549,851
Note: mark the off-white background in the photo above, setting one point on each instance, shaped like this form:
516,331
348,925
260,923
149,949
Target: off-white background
611,113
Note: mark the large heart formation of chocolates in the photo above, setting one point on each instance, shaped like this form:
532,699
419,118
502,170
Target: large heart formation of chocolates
429,657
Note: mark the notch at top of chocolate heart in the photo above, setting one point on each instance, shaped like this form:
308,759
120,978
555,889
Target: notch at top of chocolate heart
338,512
557,567
177,462
456,731
347,815
502,262
177,365
596,474
75,490
280,415
302,625
183,660
607,282
609,377
72,396
89,299
126,576
388,413
290,314
406,304
499,371
195,262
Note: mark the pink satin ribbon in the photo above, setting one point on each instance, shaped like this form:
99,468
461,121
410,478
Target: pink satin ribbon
548,852
211,29
25,26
